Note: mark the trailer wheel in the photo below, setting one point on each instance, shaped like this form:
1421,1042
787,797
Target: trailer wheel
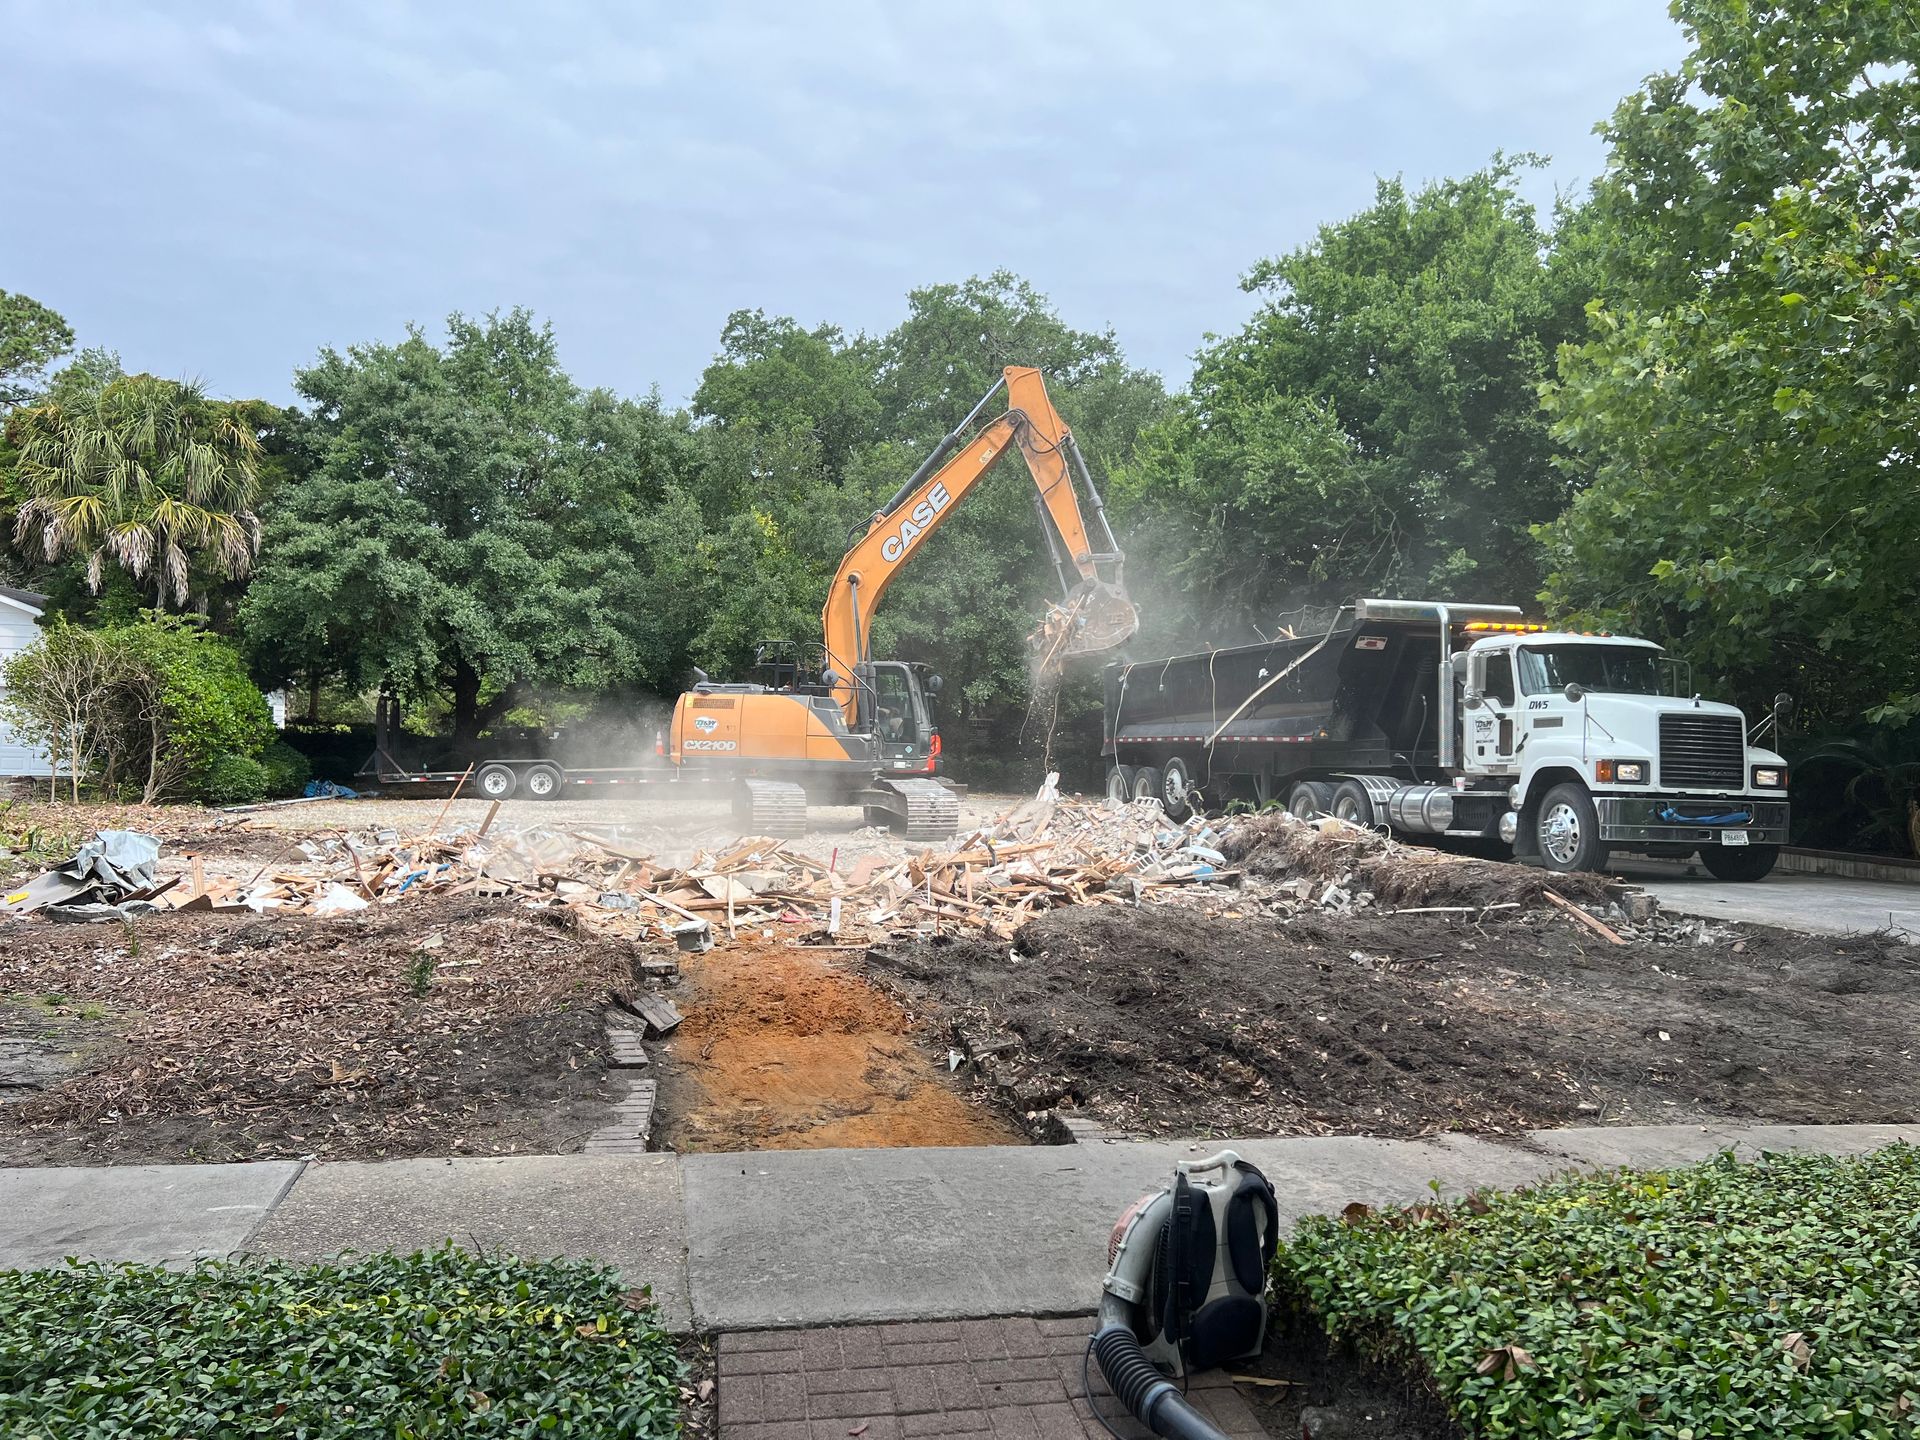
1146,783
1176,789
1351,802
1120,783
496,782
1310,798
544,783
1569,830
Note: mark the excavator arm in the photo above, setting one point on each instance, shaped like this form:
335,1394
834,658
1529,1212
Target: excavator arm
1093,613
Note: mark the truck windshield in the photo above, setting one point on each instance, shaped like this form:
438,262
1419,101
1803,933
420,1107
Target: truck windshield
1622,669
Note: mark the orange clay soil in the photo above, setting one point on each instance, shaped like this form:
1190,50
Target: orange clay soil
783,1050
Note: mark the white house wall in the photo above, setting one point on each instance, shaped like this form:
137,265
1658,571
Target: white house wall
19,624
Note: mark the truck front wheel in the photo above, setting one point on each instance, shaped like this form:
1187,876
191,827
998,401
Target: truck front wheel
1739,862
1569,830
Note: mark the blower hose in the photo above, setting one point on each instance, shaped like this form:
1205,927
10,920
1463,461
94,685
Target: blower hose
1149,1396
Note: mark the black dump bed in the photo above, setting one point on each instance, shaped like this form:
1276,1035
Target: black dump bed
1361,689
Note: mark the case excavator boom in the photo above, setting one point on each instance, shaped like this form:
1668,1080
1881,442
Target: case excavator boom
841,726
1093,613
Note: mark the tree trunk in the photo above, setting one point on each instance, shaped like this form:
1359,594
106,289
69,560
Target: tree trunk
466,704
313,697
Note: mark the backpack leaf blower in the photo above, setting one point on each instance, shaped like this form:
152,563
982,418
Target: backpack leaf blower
1186,1289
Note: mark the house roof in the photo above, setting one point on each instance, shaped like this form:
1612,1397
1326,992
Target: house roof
25,599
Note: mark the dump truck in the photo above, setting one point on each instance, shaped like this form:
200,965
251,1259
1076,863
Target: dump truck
1431,717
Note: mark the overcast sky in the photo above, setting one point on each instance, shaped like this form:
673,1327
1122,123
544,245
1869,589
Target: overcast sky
218,190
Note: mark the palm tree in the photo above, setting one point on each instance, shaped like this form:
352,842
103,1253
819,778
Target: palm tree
145,473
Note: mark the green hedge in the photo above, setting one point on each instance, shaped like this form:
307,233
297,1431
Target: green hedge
438,1344
1777,1298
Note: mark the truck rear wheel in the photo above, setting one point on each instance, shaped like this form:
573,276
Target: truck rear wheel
1739,862
496,782
1569,830
1146,783
1176,789
544,783
1120,783
1310,798
1351,802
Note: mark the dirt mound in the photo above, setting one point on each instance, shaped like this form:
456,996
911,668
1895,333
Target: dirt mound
1161,1022
1277,846
368,1036
782,1049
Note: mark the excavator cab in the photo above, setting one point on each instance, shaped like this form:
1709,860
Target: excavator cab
896,703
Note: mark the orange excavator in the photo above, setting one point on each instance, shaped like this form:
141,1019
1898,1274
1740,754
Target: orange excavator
832,725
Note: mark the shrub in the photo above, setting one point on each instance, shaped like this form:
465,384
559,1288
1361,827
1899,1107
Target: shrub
234,780
1778,1298
438,1344
287,769
151,704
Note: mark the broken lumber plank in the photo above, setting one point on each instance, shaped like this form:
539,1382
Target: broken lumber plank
1599,927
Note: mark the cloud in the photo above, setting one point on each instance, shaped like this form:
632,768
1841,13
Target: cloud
221,189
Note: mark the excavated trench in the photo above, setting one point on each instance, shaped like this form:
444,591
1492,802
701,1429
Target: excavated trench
784,1048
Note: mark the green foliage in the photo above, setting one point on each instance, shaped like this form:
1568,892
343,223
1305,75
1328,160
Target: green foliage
1880,788
211,711
152,704
473,522
233,780
1375,427
809,432
31,337
438,1344
1740,417
145,474
420,975
1777,1298
288,770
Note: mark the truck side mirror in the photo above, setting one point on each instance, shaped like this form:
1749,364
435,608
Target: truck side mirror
935,684
1575,691
1472,698
1782,708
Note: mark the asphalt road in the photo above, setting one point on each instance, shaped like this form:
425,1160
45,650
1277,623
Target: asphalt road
1816,904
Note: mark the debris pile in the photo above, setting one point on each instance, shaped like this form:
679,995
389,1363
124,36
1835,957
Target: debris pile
1045,853
1359,860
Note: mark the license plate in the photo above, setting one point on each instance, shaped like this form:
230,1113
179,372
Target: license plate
1733,837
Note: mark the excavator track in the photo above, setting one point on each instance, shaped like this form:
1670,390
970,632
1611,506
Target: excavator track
920,809
771,807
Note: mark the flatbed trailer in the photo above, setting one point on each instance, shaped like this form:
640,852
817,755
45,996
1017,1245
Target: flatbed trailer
535,777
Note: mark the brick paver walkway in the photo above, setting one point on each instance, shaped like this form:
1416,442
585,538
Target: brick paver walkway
1015,1379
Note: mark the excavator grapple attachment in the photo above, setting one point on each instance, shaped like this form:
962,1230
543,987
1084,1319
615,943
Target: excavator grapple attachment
1096,617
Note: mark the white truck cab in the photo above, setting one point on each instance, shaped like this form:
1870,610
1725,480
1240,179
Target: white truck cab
1603,749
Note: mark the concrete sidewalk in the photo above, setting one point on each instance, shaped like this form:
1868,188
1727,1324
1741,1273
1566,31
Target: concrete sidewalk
791,1238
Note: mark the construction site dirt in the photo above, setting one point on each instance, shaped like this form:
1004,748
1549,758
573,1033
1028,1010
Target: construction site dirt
785,1049
1062,967
1163,1022
470,1028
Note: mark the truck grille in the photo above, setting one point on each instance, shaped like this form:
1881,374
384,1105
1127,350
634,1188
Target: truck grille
1705,751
